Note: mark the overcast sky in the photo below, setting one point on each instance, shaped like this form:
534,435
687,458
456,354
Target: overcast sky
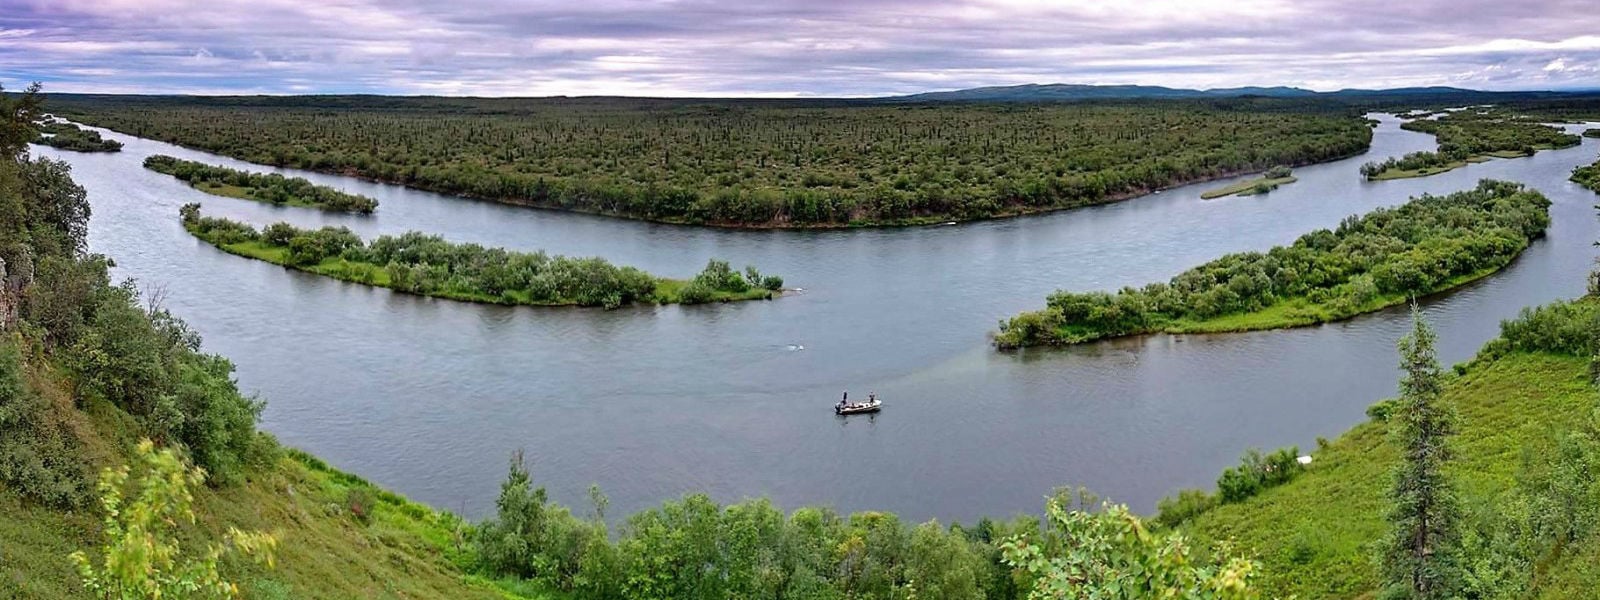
788,47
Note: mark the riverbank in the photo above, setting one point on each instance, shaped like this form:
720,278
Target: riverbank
429,266
1249,187
1314,534
1429,245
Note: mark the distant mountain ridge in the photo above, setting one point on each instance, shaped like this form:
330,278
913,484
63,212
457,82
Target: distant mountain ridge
1072,91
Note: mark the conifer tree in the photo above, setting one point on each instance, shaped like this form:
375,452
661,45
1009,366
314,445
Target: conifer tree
1420,558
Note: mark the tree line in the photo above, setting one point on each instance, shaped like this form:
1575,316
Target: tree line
1412,249
428,265
753,164
264,187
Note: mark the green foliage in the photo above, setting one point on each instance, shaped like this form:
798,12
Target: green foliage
67,136
1187,504
265,187
1257,472
1421,558
1565,327
38,454
1588,175
1381,258
748,162
140,557
1110,554
428,265
1278,172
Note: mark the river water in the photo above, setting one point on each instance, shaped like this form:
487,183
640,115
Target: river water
429,397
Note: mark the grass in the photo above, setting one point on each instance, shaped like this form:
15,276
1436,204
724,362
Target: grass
405,550
1247,187
245,193
667,291
1315,534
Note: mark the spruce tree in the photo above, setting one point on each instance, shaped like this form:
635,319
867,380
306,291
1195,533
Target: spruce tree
1420,559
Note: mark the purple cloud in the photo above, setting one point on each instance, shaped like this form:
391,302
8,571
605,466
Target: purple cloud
787,47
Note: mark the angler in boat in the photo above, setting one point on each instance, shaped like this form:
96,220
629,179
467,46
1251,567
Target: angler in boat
846,407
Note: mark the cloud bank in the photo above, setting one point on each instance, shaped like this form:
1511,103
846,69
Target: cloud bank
787,47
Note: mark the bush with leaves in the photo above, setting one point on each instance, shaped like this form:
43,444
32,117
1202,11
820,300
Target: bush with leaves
140,556
1110,554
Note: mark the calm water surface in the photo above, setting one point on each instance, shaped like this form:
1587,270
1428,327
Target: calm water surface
429,397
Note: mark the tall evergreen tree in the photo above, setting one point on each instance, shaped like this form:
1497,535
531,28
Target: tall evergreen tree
1420,559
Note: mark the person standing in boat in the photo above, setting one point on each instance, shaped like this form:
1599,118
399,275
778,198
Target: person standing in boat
844,400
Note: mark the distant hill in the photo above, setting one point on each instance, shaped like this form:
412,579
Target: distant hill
1034,92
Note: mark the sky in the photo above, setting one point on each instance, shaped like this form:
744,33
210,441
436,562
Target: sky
787,47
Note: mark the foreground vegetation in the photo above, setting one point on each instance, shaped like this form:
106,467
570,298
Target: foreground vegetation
750,163
66,136
1269,181
1469,136
1429,244
262,187
428,265
1524,474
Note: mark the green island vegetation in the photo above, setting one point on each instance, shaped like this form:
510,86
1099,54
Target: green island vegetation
427,265
1469,136
1427,245
1588,176
66,136
751,163
1274,177
1593,132
271,188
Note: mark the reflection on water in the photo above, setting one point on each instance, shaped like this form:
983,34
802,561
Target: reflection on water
430,397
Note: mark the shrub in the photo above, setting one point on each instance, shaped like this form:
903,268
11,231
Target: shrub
38,454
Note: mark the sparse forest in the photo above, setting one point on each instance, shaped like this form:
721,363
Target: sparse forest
1390,254
750,163
271,188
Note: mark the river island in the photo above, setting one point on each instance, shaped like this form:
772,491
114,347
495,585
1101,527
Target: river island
1386,257
271,188
427,265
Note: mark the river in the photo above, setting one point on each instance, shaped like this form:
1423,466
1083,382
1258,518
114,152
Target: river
430,397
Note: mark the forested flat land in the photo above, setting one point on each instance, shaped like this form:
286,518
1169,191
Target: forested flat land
751,163
428,265
1524,472
271,188
67,136
1429,244
1468,136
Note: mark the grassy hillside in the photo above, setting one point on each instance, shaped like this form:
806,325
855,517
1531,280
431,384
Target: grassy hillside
400,549
1314,535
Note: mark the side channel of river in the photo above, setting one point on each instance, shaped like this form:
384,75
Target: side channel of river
430,397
